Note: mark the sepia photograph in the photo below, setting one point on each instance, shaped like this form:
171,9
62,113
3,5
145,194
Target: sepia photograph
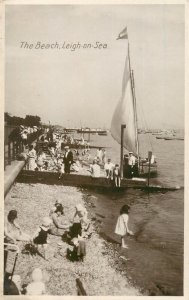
94,138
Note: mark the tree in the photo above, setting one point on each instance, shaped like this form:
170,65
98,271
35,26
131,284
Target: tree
32,120
13,121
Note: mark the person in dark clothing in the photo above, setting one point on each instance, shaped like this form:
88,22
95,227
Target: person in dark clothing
40,237
126,166
67,159
79,245
117,176
78,252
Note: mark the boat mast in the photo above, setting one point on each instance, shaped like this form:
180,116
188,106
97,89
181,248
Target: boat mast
135,108
134,99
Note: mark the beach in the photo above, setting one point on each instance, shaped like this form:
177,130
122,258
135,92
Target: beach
99,269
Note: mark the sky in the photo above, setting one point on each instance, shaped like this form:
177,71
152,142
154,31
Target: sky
81,87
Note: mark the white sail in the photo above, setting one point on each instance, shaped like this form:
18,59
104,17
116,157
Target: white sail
125,113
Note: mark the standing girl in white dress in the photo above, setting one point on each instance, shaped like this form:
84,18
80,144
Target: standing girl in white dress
31,158
122,225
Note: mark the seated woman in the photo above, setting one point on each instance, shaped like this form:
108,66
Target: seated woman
12,230
81,218
78,232
58,227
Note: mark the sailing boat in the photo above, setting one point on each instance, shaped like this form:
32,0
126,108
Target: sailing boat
124,127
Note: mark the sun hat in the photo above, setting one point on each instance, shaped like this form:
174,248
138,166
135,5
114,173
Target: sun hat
59,208
12,215
46,222
130,152
37,274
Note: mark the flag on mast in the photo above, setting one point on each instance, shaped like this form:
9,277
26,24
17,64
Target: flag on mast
123,34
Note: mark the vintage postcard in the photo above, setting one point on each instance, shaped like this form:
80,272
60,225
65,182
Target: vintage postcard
94,140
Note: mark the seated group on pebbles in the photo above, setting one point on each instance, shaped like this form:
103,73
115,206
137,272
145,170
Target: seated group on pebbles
74,233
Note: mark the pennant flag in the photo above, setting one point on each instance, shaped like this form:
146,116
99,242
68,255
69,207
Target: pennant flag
123,34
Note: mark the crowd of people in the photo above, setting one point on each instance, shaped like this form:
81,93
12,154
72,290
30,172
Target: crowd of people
53,154
68,160
24,134
74,233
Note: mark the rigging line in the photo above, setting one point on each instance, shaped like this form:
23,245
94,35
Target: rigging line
146,125
133,98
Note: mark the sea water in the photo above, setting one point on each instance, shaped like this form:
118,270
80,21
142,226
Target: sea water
155,252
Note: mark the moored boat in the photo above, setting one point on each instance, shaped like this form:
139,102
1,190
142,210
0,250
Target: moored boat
124,125
173,138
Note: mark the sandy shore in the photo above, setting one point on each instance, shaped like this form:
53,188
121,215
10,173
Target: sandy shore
98,270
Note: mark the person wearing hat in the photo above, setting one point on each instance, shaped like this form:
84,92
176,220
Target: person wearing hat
37,286
108,167
40,236
131,164
58,226
12,230
67,159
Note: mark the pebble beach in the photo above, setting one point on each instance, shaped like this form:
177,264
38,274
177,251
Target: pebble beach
98,270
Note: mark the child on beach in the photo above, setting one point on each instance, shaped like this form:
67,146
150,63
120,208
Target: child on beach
40,237
122,225
37,286
117,176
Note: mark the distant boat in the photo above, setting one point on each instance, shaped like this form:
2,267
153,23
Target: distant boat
174,138
93,131
126,113
103,133
160,137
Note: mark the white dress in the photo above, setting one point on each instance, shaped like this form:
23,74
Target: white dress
121,225
31,160
36,288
